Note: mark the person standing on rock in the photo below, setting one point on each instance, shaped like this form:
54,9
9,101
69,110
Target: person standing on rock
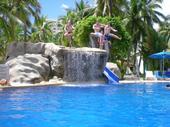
108,36
107,33
97,33
69,32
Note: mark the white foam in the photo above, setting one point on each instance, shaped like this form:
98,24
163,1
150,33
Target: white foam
83,85
19,84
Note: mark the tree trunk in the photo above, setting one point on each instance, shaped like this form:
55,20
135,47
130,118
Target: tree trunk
110,8
25,33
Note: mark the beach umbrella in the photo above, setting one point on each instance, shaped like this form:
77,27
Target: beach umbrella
161,55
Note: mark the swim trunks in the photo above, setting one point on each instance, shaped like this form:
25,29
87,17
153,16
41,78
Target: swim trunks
107,37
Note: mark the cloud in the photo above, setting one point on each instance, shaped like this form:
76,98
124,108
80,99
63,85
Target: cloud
165,7
65,7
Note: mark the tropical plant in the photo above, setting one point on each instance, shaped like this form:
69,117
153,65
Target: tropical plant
110,7
165,29
83,10
140,18
85,27
119,49
16,14
154,42
41,31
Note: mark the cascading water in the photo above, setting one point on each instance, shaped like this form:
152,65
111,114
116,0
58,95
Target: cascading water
84,64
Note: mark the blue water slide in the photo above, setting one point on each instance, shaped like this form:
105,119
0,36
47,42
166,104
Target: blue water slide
111,76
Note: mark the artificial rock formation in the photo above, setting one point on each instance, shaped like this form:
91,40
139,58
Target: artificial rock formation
84,64
29,68
36,62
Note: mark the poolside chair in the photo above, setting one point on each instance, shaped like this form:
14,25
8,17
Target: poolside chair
149,75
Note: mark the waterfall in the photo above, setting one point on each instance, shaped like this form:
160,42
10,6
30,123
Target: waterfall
84,64
4,71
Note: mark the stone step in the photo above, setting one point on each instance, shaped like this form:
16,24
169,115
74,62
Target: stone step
4,71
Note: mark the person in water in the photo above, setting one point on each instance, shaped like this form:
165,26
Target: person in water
97,32
168,86
69,32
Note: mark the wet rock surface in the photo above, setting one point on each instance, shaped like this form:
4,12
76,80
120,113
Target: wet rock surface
84,64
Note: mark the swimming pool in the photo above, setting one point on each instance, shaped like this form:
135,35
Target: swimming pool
138,105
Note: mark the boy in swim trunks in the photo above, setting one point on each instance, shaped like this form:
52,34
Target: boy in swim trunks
107,33
69,32
97,32
108,36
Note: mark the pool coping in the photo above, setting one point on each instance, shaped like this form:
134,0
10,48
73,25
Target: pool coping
60,83
144,81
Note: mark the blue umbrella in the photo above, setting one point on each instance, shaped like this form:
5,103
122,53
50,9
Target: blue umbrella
161,55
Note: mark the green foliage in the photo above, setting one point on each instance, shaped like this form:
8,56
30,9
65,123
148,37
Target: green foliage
119,48
111,7
15,21
41,31
84,28
165,29
154,42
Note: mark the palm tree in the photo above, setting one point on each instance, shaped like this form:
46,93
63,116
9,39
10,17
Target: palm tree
150,13
41,31
83,10
110,7
17,12
141,17
165,29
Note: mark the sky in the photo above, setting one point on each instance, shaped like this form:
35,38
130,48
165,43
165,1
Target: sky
55,8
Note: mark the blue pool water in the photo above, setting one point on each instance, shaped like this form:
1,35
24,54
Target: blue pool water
140,105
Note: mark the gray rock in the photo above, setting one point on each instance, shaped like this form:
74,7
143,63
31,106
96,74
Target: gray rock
114,68
34,48
56,54
20,48
33,63
29,68
15,49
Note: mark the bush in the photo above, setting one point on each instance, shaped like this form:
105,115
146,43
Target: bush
84,28
119,48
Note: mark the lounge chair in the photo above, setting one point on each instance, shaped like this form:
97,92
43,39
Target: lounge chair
149,75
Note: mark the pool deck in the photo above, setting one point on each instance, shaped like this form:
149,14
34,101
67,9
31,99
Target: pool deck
143,81
99,82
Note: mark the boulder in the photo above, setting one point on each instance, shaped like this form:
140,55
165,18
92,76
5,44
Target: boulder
15,49
34,48
35,62
29,68
113,67
20,48
56,54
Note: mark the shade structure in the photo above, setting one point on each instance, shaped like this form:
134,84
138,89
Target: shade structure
161,55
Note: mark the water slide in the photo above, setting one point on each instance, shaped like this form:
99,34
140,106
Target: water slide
111,76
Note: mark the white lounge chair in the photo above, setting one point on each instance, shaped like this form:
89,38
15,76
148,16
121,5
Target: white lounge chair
149,75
